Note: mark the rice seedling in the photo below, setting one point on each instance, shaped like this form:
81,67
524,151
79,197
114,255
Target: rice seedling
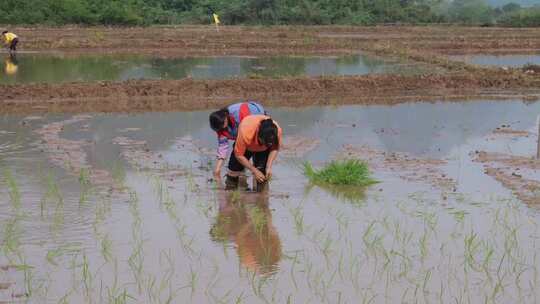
84,182
106,248
118,174
191,184
86,276
13,188
341,173
53,195
258,218
136,259
121,298
423,244
28,276
192,281
65,298
53,190
298,216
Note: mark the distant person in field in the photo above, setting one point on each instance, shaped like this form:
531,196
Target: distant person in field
10,41
225,123
259,137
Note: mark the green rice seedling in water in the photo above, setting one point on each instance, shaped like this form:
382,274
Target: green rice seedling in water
102,209
259,219
459,215
114,294
86,276
345,180
118,173
84,181
298,216
28,275
53,194
52,255
64,299
192,185
53,191
106,248
192,281
235,196
136,259
341,173
423,244
121,298
14,192
472,244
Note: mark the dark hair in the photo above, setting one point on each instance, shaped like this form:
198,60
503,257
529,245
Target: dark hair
268,132
217,119
4,32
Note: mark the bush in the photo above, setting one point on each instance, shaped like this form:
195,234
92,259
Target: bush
522,18
308,12
471,12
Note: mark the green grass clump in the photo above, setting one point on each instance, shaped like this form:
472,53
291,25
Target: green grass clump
340,173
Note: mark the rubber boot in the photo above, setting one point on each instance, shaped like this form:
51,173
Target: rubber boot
231,182
243,183
261,187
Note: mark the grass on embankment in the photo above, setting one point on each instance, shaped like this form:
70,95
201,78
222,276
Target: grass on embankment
340,173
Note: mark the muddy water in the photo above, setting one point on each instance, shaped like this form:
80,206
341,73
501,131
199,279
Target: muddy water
32,68
500,61
101,208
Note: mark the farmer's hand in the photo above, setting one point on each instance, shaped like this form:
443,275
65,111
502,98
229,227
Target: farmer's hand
258,175
268,174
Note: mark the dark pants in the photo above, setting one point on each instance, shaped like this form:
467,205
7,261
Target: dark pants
13,45
259,160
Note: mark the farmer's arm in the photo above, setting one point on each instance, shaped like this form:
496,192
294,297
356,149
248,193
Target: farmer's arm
239,151
271,157
222,150
273,154
247,164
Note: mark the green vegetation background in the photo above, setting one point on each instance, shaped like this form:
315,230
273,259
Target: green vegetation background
265,12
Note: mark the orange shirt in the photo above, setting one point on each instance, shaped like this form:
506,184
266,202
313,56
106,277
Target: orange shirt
247,136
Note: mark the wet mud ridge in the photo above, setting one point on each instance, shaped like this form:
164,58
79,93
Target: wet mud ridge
294,40
516,173
406,167
189,94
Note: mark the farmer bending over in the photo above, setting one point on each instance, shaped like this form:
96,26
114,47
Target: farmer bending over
10,41
259,137
225,123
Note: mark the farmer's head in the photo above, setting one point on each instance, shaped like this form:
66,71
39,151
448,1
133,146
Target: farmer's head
268,133
218,120
4,32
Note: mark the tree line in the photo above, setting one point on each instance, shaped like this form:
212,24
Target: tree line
266,12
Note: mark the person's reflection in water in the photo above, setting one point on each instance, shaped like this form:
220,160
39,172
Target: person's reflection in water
11,65
246,220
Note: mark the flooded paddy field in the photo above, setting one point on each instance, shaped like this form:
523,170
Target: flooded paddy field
123,208
194,41
105,69
514,61
47,68
101,208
